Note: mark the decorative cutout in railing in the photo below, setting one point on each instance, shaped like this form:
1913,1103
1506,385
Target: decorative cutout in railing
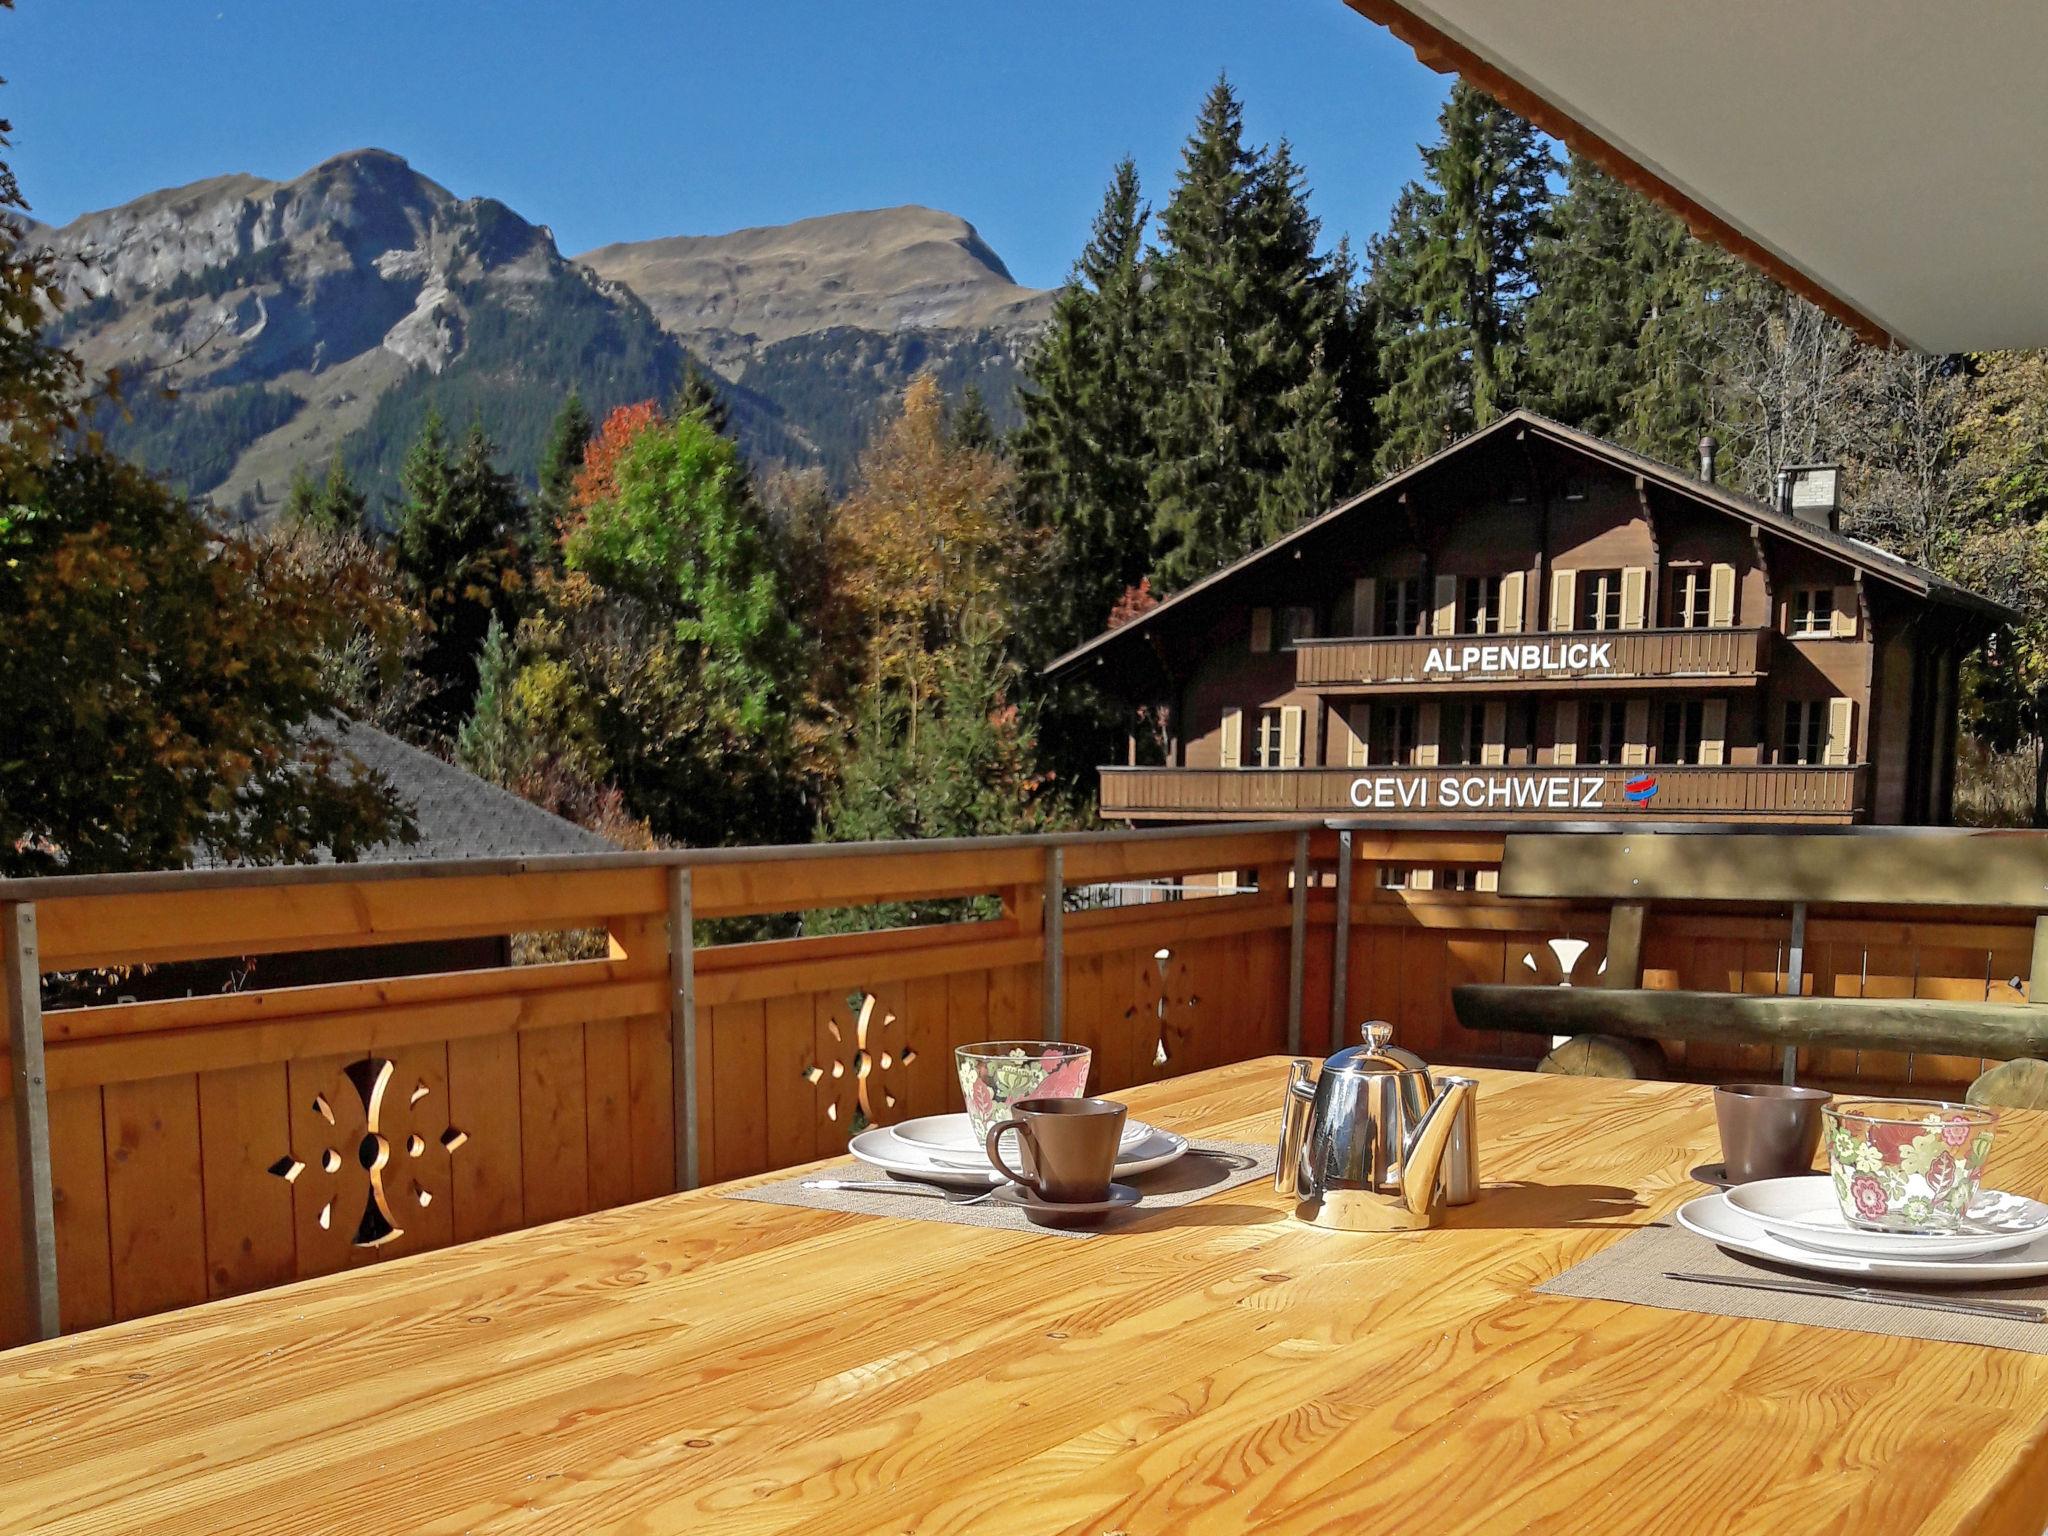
871,1059
368,1143
1170,997
1565,963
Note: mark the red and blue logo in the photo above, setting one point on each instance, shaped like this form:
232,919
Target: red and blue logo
1641,791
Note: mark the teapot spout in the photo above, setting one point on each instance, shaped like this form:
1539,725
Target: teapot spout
1423,1157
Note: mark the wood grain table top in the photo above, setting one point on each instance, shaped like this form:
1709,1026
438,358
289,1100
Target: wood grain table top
704,1365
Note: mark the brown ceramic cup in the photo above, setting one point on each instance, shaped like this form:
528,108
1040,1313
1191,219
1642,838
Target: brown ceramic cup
1069,1147
1768,1130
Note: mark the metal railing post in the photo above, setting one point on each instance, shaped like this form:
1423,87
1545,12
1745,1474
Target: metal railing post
1054,987
1297,944
1340,956
1795,980
682,1021
24,983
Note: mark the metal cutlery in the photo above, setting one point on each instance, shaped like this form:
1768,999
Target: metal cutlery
902,1187
2007,1311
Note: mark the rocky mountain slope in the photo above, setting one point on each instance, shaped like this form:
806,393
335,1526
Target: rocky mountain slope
330,312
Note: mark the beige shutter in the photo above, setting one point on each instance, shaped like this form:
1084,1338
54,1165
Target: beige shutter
1721,597
1565,731
1358,720
1421,879
1290,735
1443,620
1564,599
1493,747
1635,746
1365,599
1513,589
1635,587
1714,732
1485,879
1233,739
1262,629
1425,736
1841,742
1845,613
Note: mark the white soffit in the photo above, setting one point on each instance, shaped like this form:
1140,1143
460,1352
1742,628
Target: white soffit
1894,152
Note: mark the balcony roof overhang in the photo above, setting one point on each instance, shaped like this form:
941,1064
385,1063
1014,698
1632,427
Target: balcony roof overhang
1882,160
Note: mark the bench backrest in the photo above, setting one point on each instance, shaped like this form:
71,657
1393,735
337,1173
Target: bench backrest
1938,868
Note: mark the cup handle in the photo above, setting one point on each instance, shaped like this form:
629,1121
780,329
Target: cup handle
995,1136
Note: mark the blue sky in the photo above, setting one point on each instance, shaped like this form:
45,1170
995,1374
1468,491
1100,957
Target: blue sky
627,119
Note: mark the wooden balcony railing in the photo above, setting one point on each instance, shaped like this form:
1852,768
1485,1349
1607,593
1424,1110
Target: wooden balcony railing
1547,793
168,1152
1585,658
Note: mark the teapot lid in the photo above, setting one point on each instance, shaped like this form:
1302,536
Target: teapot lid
1378,1054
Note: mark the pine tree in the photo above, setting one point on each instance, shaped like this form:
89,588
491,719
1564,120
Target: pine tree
1083,451
1453,273
1243,304
458,544
567,439
698,396
332,506
970,425
492,743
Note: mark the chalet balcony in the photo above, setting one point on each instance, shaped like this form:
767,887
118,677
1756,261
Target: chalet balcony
1542,792
1575,660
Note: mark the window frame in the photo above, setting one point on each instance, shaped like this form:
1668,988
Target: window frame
1806,618
1599,592
1804,745
1479,605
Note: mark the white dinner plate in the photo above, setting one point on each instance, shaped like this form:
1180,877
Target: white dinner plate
1804,1210
1712,1217
955,1134
878,1148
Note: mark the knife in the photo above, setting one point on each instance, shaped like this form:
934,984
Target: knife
2007,1311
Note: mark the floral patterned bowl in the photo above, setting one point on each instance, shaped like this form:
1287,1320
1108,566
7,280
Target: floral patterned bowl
996,1073
1906,1165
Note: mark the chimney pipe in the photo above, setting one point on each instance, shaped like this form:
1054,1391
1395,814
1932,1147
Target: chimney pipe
1781,490
1708,448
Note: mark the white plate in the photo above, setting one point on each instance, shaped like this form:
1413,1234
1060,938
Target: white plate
1712,1217
878,1148
1120,1195
1804,1210
955,1134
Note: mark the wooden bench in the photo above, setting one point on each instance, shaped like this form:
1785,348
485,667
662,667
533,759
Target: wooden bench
1612,1026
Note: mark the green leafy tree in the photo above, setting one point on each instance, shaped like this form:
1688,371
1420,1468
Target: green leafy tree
1452,276
1083,453
460,548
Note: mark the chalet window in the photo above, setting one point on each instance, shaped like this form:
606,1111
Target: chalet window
1692,591
1482,605
1461,734
1296,624
1401,605
1394,734
1574,488
1279,739
1684,728
1813,611
1262,630
1806,732
1604,734
1599,600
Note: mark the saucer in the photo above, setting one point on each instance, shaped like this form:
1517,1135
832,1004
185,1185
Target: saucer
1057,1213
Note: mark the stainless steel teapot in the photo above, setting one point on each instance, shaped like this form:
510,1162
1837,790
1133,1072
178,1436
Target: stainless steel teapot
1371,1142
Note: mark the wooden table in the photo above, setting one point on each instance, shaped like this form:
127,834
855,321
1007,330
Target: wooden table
703,1365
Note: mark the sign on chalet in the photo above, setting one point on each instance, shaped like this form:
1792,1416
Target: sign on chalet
1537,623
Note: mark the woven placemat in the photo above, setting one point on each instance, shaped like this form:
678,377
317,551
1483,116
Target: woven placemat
1207,1168
1634,1269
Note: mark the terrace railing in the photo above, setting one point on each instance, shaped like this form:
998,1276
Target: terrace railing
158,1153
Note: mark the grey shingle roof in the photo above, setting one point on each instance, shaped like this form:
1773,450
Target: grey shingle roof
460,816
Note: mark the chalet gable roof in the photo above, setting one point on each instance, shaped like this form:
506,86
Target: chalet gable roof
1867,558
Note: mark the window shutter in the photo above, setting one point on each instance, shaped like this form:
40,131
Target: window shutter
1564,599
1493,747
1841,742
1421,879
1635,749
1635,587
1845,613
1358,719
1485,879
1262,629
1714,732
1565,728
1513,586
1365,601
1425,736
1721,597
1233,739
1290,735
1444,619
